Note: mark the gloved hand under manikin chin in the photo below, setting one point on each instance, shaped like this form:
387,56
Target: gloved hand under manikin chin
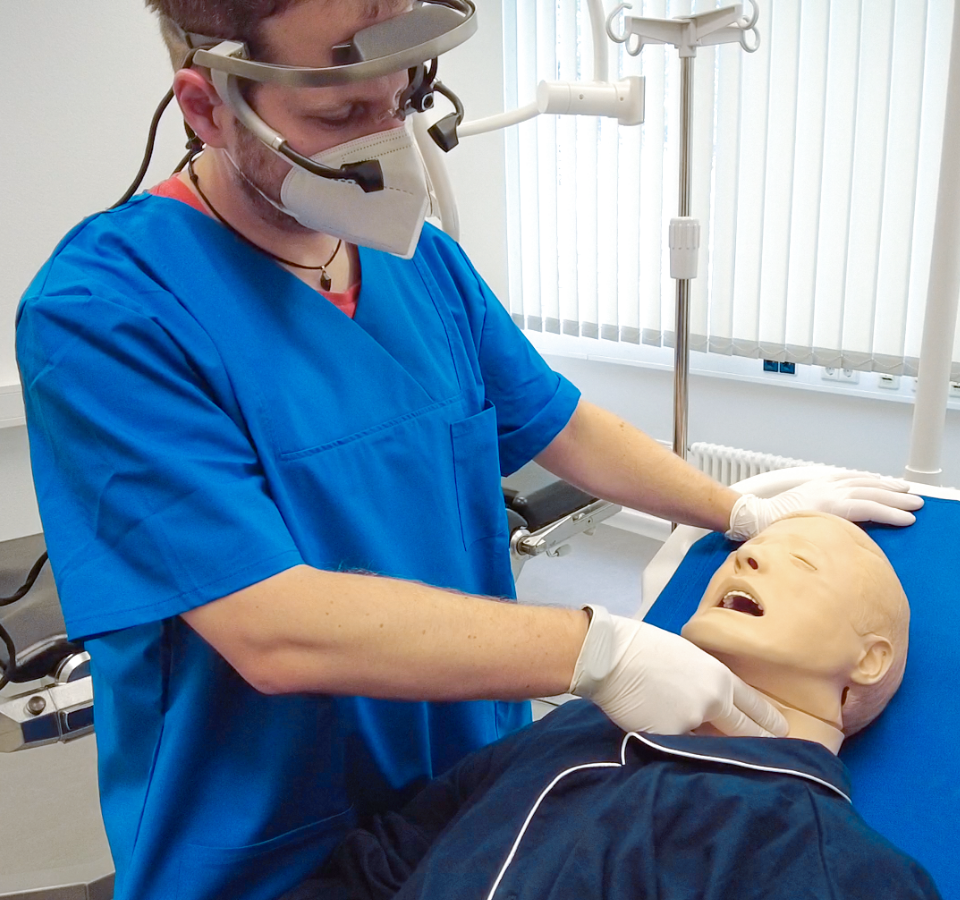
808,618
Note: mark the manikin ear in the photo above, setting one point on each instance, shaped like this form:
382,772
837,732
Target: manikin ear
875,660
201,106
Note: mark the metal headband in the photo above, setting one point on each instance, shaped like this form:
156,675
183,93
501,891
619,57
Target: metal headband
401,42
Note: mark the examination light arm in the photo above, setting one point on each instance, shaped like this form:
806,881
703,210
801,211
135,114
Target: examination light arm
621,100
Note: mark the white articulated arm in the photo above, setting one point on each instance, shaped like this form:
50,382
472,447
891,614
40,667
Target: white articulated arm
622,100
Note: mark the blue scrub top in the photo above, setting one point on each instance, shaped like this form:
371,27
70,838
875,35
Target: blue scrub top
200,420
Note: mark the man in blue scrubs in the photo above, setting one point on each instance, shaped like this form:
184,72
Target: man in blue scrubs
267,449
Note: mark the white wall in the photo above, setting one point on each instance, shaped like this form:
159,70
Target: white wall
838,430
475,73
80,82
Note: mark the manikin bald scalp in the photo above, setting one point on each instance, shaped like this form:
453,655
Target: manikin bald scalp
881,609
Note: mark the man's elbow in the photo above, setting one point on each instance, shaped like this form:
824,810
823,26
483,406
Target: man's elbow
266,676
258,665
252,630
259,659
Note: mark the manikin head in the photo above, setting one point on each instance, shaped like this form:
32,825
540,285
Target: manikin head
811,613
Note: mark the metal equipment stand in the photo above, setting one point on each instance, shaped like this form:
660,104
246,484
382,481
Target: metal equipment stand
686,33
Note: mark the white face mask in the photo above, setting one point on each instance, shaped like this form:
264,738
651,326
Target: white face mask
390,219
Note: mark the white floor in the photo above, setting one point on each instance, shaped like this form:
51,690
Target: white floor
603,568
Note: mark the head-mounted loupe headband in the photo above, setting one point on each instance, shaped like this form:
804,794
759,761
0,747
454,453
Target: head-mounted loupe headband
406,41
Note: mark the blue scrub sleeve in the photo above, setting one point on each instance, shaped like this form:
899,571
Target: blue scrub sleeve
153,498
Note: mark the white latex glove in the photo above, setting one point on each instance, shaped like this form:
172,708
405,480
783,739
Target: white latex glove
857,496
647,679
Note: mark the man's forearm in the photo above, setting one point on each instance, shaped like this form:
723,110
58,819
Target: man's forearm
605,456
306,630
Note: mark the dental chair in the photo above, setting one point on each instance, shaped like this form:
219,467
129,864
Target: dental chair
54,846
58,705
544,513
904,766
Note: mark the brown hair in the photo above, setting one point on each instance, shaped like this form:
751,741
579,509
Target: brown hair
236,20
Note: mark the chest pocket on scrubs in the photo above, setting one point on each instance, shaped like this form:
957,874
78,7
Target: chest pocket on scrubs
476,460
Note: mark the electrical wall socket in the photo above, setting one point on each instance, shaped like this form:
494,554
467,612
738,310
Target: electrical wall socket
888,382
954,389
847,376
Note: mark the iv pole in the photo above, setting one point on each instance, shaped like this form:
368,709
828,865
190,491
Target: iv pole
686,33
624,101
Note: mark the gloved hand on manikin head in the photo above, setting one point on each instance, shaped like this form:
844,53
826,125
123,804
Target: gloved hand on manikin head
855,496
809,615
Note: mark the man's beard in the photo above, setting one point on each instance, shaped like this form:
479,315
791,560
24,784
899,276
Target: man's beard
252,174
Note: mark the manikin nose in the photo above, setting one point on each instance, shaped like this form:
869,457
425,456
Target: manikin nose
747,558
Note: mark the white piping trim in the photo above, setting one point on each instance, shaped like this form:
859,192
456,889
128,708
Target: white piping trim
536,806
730,762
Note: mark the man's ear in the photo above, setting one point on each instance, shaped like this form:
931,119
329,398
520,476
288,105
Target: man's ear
201,106
875,660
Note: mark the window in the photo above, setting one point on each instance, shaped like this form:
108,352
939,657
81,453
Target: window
815,169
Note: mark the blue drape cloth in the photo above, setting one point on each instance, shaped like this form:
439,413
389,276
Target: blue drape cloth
905,766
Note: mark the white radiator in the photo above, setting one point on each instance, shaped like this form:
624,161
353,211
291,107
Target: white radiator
730,464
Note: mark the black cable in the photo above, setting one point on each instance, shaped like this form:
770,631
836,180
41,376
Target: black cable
441,88
194,147
10,670
148,152
32,576
191,152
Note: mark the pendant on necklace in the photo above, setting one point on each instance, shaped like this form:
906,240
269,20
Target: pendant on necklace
325,281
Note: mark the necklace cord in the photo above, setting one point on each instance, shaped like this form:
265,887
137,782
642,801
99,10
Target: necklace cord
325,281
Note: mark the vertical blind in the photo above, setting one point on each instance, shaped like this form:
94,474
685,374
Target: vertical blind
815,173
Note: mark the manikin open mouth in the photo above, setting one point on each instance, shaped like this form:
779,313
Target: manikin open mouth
741,601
